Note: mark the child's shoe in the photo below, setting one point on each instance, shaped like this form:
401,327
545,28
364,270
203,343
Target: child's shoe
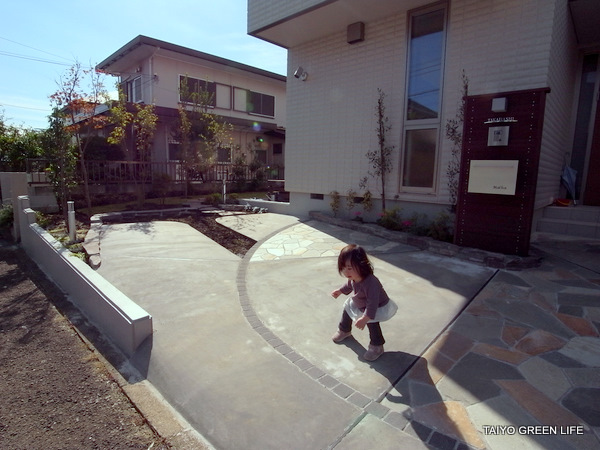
339,336
374,352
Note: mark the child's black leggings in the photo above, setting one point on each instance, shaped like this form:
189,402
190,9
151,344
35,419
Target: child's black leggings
374,329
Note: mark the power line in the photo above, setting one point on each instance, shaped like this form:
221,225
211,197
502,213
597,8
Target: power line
33,58
33,48
23,107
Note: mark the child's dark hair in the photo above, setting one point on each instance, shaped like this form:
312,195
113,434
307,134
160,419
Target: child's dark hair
357,257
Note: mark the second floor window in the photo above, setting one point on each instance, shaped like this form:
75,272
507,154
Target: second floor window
261,104
254,103
195,90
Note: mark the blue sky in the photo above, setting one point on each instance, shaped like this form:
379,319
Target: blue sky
41,39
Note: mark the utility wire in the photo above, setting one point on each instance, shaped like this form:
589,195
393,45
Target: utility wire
33,58
23,107
36,49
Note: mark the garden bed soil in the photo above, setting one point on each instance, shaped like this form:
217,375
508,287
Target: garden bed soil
205,223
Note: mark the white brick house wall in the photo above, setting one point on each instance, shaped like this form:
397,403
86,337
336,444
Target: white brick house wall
334,110
560,106
501,46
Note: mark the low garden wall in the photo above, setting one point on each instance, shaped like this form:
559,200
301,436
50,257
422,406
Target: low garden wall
481,257
124,322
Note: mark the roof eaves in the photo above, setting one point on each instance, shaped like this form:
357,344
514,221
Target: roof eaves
145,40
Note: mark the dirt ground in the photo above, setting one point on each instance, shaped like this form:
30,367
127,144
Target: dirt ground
57,392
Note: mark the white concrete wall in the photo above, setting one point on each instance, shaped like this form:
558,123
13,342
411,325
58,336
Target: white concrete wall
41,196
13,184
124,322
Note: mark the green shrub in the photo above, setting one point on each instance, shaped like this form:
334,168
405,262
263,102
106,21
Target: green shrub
367,201
391,219
336,202
42,219
214,199
6,216
233,199
441,228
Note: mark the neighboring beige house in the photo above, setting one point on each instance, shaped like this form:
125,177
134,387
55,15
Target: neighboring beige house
251,99
340,52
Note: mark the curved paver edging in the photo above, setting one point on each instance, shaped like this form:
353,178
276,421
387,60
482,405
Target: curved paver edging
482,257
374,407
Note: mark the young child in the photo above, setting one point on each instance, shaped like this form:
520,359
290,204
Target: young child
369,303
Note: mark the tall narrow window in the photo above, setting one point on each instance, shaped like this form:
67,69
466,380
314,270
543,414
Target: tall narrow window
134,90
426,44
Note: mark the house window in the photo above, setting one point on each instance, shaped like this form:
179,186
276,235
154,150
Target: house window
134,90
174,150
224,154
261,104
194,90
254,102
426,44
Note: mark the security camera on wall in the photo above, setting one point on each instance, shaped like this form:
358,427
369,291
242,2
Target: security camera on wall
300,74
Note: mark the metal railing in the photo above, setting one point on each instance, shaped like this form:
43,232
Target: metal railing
122,172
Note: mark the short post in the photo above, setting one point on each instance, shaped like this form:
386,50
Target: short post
71,217
225,189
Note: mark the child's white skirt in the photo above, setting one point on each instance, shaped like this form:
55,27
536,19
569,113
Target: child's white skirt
385,312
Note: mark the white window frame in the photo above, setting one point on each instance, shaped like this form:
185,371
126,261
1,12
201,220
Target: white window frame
133,87
423,124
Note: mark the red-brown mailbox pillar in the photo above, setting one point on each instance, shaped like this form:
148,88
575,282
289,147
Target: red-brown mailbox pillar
499,165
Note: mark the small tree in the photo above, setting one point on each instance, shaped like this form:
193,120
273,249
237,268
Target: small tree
58,148
143,122
121,118
380,158
79,106
454,135
144,127
199,132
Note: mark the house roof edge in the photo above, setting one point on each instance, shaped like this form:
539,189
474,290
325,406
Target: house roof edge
145,40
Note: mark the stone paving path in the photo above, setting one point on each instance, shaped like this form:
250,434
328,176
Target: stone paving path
309,242
520,368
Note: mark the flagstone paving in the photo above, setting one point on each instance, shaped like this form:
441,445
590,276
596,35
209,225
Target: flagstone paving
525,354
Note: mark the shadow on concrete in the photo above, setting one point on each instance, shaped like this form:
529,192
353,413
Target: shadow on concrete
140,361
